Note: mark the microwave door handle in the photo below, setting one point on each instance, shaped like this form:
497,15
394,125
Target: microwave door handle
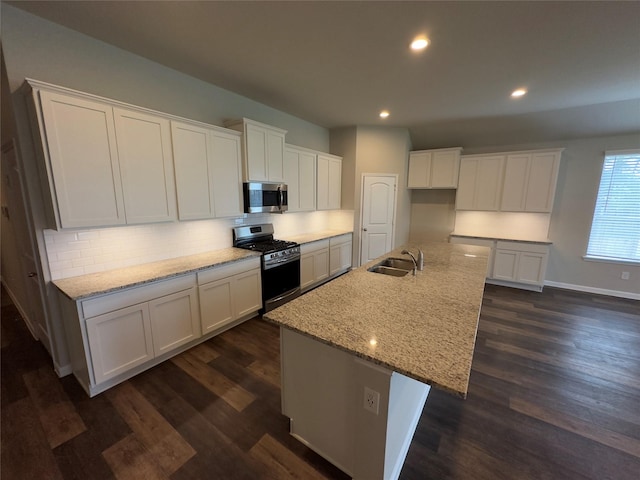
279,199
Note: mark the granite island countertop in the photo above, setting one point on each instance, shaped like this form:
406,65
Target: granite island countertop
421,326
83,286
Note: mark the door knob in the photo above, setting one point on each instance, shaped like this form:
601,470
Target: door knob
364,229
32,274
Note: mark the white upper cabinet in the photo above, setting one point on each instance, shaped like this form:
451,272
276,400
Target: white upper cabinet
146,166
434,168
480,182
329,181
300,177
207,170
82,164
263,151
530,181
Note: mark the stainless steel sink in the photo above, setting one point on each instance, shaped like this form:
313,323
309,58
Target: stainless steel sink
401,263
396,267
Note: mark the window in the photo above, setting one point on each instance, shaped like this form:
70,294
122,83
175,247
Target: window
615,231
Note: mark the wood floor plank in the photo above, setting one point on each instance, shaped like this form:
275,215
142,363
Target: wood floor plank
217,383
266,370
129,459
281,462
26,453
578,426
58,416
204,352
169,450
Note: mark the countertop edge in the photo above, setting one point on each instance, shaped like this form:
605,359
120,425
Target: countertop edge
502,239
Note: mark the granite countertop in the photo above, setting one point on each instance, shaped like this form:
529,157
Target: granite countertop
423,327
83,286
315,236
545,241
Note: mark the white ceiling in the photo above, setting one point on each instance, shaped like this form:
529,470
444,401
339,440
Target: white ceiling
338,63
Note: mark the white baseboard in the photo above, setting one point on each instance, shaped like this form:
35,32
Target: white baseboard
598,291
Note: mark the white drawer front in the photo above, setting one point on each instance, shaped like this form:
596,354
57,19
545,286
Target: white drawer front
340,240
216,273
131,296
314,246
522,247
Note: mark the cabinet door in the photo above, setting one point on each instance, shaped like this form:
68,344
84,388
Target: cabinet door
488,183
227,176
335,183
444,169
321,265
256,153
339,258
505,265
543,173
216,304
275,156
81,141
307,181
307,270
291,178
514,189
146,166
419,170
323,183
119,341
247,293
531,268
192,158
467,184
175,320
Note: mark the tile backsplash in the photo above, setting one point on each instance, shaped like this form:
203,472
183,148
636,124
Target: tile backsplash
77,252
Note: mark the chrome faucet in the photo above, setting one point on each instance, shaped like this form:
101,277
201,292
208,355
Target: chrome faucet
415,263
418,264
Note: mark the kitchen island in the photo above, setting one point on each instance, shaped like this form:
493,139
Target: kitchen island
359,355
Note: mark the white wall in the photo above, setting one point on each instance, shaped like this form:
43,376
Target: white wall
373,150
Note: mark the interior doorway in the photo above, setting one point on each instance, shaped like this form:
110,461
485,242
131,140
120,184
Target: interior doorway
378,215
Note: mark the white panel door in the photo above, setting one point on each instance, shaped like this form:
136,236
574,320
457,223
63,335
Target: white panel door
444,169
292,178
488,183
247,292
335,183
256,153
466,192
543,174
275,156
175,320
323,183
119,341
419,170
505,265
307,181
227,174
194,178
307,270
378,215
531,267
216,304
84,164
514,189
146,166
321,265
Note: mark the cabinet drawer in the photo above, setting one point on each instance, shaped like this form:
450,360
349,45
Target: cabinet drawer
114,301
216,273
314,246
340,240
522,247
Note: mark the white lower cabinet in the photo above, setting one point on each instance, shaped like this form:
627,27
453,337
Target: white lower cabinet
229,293
175,320
520,262
514,264
314,263
322,260
340,254
119,341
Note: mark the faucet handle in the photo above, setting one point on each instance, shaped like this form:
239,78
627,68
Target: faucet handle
420,262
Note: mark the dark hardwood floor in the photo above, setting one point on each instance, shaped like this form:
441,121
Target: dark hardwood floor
554,394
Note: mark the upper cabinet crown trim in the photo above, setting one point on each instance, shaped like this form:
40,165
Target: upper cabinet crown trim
516,152
243,121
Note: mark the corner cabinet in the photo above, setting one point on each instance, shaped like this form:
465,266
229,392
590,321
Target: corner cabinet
208,171
300,177
434,168
262,150
329,178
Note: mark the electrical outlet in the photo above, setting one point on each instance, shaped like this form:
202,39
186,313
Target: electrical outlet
371,400
625,276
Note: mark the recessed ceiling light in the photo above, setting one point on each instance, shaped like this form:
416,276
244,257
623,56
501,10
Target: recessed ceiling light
519,92
384,114
419,43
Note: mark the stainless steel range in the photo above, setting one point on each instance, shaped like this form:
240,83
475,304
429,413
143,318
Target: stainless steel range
280,263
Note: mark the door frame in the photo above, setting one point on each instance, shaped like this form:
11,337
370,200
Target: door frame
395,210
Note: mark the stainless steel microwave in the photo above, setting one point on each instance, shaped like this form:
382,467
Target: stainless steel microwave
265,197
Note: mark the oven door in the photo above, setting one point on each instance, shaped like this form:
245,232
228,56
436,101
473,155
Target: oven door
280,283
265,197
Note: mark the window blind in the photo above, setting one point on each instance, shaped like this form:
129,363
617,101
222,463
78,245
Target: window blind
615,231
